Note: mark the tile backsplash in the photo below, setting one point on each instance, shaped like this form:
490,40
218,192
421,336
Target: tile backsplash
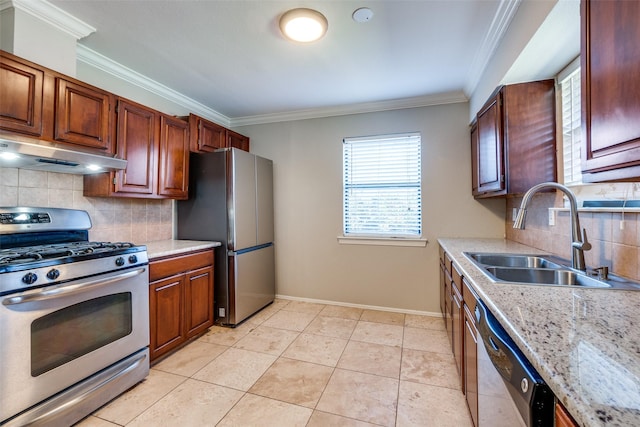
113,219
615,236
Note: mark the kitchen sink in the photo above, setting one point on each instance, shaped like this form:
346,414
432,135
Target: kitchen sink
545,270
545,276
514,260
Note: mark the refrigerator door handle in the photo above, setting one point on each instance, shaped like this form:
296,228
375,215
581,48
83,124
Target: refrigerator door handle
251,249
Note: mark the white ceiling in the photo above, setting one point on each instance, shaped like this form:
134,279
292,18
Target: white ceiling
230,56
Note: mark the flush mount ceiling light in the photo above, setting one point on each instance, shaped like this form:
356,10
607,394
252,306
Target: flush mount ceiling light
303,25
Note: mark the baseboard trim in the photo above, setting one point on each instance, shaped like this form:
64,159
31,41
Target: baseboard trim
362,306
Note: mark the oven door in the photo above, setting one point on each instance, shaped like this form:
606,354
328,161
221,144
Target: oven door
53,337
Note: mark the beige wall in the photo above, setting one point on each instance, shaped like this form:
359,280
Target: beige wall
307,157
113,219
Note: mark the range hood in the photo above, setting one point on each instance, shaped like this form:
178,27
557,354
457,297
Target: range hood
24,153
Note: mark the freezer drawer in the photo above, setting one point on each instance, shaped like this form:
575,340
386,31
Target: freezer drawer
252,281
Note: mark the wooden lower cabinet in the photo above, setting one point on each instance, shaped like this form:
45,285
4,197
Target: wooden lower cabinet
563,419
180,300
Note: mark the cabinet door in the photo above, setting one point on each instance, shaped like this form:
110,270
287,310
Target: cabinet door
82,115
173,165
138,143
21,88
563,419
471,363
166,314
235,140
206,136
611,88
198,301
457,333
474,159
490,159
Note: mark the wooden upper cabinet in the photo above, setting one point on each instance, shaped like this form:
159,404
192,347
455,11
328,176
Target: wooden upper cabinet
82,115
138,143
156,147
610,63
55,108
515,143
173,166
206,136
235,140
21,91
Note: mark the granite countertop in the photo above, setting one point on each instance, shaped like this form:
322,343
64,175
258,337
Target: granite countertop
163,248
585,343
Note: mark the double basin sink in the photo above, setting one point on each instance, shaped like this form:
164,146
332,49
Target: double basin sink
545,270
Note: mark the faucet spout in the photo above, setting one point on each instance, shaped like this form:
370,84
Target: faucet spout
579,242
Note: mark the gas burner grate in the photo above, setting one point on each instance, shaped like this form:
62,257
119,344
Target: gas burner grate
24,255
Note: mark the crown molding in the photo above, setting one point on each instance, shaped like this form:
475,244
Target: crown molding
52,15
503,17
367,107
101,62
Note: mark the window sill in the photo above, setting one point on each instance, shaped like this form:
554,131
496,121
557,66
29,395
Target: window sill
382,241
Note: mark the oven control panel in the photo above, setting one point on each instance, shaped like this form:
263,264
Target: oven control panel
25,218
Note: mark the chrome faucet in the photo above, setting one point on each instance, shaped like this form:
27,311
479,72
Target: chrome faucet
579,242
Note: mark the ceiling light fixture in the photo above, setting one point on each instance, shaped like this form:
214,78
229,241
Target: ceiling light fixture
303,25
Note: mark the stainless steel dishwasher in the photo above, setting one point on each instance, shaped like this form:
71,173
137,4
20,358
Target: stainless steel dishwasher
510,391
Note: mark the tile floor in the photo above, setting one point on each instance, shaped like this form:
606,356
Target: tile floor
302,364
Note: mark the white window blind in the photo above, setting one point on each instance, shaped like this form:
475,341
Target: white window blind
382,186
571,127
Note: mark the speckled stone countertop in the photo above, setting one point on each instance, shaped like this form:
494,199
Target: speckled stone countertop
163,248
585,343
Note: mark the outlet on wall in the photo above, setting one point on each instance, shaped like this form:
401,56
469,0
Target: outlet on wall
552,217
514,213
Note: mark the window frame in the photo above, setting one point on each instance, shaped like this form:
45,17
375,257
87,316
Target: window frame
398,239
569,145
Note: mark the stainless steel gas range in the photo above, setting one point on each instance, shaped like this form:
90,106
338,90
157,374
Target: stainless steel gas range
74,317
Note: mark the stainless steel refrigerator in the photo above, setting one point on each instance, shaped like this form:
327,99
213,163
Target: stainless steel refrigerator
231,201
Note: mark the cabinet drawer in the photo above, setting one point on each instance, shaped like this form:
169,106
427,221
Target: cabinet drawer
469,296
169,266
456,279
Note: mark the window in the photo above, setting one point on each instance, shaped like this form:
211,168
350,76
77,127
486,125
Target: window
569,80
382,192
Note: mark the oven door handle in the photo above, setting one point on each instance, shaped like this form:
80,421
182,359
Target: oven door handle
66,290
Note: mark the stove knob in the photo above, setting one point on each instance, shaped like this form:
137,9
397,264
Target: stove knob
133,259
29,278
120,261
53,274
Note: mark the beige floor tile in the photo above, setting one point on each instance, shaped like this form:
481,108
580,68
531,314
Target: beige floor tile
191,358
424,322
260,411
259,317
236,368
226,336
426,340
289,320
193,403
135,401
383,317
279,303
267,340
332,327
437,369
323,419
293,381
378,333
92,421
316,349
429,406
304,307
352,313
371,358
361,396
